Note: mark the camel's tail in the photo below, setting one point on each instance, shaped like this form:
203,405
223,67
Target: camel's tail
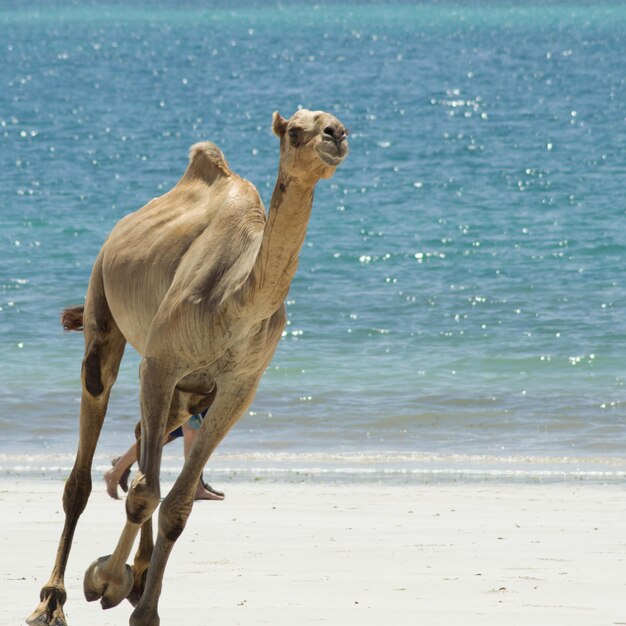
72,318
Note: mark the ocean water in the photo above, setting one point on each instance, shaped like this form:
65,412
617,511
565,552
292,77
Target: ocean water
461,296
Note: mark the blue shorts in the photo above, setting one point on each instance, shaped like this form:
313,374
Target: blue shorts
195,421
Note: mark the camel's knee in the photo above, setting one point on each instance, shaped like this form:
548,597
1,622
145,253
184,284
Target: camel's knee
173,517
143,498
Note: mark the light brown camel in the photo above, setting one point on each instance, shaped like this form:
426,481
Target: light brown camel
195,281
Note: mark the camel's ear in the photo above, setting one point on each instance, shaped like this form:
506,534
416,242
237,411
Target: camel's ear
279,124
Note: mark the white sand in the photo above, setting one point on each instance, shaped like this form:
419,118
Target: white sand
293,554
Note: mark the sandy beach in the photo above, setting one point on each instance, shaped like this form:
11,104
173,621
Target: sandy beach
279,553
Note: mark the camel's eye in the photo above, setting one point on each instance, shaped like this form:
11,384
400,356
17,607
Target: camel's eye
294,135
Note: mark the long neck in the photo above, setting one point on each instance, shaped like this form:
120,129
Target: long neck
283,237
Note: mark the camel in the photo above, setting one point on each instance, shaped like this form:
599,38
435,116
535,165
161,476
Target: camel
196,282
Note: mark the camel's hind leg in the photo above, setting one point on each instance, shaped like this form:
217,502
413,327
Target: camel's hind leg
104,348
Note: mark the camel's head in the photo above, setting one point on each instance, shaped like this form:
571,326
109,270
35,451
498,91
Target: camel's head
312,144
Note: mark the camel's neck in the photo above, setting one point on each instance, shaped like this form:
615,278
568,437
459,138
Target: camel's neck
283,237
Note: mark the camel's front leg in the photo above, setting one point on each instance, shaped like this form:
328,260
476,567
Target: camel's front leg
109,578
227,408
178,415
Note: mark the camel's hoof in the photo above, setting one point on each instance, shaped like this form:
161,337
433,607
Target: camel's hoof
144,617
41,617
110,587
44,619
49,611
139,585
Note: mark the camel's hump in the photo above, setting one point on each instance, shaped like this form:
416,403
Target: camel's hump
206,161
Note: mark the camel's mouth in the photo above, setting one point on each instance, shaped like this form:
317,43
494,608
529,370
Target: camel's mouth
332,154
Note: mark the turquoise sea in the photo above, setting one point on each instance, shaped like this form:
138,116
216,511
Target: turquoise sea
460,307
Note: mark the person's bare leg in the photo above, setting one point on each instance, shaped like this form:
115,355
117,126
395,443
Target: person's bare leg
114,475
203,492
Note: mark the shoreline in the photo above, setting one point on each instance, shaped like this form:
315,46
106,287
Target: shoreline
471,553
390,468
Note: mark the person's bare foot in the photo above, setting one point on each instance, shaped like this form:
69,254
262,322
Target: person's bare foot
111,482
123,481
206,492
208,487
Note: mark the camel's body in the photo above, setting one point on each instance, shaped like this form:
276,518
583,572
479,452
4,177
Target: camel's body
173,251
195,281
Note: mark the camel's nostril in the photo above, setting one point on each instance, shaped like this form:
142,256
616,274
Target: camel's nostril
329,130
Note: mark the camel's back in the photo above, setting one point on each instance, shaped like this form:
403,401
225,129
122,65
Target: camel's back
176,236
